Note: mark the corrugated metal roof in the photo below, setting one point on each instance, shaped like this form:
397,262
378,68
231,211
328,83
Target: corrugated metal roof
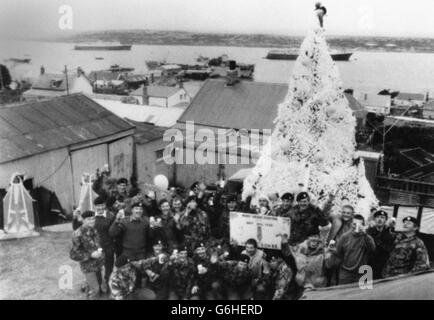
37,127
146,132
165,117
244,105
157,91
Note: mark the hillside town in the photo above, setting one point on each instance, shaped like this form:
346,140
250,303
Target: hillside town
157,174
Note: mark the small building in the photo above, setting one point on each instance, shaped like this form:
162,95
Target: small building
428,110
54,142
404,99
49,85
162,96
170,70
375,103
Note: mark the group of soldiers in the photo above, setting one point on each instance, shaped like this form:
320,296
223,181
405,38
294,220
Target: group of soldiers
180,247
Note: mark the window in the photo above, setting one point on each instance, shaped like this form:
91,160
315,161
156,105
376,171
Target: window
159,154
56,83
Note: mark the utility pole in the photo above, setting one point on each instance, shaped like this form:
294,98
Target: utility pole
66,77
1,78
384,133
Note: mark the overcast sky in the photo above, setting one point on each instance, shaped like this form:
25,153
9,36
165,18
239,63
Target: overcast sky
345,17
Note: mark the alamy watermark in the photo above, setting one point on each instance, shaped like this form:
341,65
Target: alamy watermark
66,17
220,146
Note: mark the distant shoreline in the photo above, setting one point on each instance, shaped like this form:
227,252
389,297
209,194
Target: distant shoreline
177,38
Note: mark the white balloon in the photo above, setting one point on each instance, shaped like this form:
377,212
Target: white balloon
161,182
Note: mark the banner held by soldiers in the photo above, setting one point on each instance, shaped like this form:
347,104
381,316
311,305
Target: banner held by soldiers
266,229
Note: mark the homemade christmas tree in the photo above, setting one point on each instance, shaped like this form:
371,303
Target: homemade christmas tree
313,144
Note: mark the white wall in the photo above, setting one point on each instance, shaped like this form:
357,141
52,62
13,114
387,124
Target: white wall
81,84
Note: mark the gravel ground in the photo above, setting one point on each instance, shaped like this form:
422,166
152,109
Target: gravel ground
31,268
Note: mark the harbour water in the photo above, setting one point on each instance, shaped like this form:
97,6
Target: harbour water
366,71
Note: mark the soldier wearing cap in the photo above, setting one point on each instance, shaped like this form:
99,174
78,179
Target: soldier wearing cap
384,238
307,219
134,232
409,253
279,276
182,272
86,249
236,277
286,209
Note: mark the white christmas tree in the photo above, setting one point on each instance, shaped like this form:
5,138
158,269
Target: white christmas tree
312,147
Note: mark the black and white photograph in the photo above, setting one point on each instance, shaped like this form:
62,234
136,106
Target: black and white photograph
230,151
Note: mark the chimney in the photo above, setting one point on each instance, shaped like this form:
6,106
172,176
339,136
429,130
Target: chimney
232,73
145,96
42,70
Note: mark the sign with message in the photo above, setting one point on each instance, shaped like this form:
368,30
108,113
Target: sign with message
267,230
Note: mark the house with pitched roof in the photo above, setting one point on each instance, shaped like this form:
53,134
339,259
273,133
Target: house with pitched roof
50,85
162,96
235,109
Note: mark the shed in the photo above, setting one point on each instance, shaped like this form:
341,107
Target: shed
53,142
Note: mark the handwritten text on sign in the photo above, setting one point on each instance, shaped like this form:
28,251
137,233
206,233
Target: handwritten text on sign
266,230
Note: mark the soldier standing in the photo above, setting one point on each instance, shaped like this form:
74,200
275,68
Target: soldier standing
103,221
306,220
194,225
222,230
134,232
409,253
286,209
384,238
86,249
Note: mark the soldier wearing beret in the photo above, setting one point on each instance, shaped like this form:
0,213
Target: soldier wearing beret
384,237
409,253
286,209
134,232
207,284
194,224
158,272
182,272
103,220
307,219
86,249
237,278
222,229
